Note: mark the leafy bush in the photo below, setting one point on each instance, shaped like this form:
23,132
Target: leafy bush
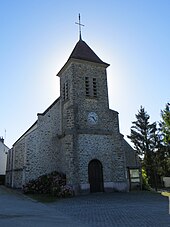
52,184
145,184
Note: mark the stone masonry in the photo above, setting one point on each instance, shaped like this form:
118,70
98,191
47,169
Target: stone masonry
76,129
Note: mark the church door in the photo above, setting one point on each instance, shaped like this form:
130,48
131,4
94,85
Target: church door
95,172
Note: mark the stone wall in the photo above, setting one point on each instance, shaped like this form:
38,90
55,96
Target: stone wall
132,159
96,147
83,69
48,130
18,163
31,160
37,151
105,149
9,168
64,140
100,141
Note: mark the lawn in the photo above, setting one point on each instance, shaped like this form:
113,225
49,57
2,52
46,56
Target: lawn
43,198
165,193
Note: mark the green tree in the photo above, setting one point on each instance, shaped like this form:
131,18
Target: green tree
143,133
164,142
162,160
143,136
165,124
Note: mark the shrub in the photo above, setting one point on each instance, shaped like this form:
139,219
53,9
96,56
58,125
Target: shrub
145,184
52,184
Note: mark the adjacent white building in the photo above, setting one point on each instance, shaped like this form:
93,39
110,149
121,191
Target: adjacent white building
3,156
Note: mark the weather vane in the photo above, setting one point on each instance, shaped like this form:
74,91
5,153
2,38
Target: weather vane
79,23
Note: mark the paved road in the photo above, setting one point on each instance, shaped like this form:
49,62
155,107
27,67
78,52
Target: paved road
144,209
17,210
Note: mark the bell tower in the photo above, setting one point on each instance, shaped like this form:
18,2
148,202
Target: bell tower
83,88
90,130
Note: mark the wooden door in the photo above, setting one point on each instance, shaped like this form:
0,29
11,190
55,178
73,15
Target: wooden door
95,172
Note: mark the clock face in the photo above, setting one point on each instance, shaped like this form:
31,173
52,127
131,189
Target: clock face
92,118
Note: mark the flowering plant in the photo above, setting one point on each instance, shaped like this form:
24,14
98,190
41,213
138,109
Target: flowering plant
53,184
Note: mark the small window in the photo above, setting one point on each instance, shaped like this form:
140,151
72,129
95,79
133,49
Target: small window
94,87
87,87
91,87
65,91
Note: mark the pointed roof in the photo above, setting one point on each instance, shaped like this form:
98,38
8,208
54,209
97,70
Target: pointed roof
83,52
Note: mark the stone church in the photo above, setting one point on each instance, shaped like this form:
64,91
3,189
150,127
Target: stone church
77,135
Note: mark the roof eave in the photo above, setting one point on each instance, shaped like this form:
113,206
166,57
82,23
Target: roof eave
70,60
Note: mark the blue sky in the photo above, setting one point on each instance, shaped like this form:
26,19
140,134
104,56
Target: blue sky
37,37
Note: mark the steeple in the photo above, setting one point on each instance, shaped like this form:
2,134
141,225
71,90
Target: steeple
83,52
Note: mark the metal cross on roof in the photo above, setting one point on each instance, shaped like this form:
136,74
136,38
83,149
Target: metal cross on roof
79,23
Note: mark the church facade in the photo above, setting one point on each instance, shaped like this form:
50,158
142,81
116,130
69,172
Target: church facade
77,135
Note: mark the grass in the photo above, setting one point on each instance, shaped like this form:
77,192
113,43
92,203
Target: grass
43,198
165,193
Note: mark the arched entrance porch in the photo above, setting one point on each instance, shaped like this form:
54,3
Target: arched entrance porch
95,174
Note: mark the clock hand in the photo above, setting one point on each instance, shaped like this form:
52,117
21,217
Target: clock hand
94,118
